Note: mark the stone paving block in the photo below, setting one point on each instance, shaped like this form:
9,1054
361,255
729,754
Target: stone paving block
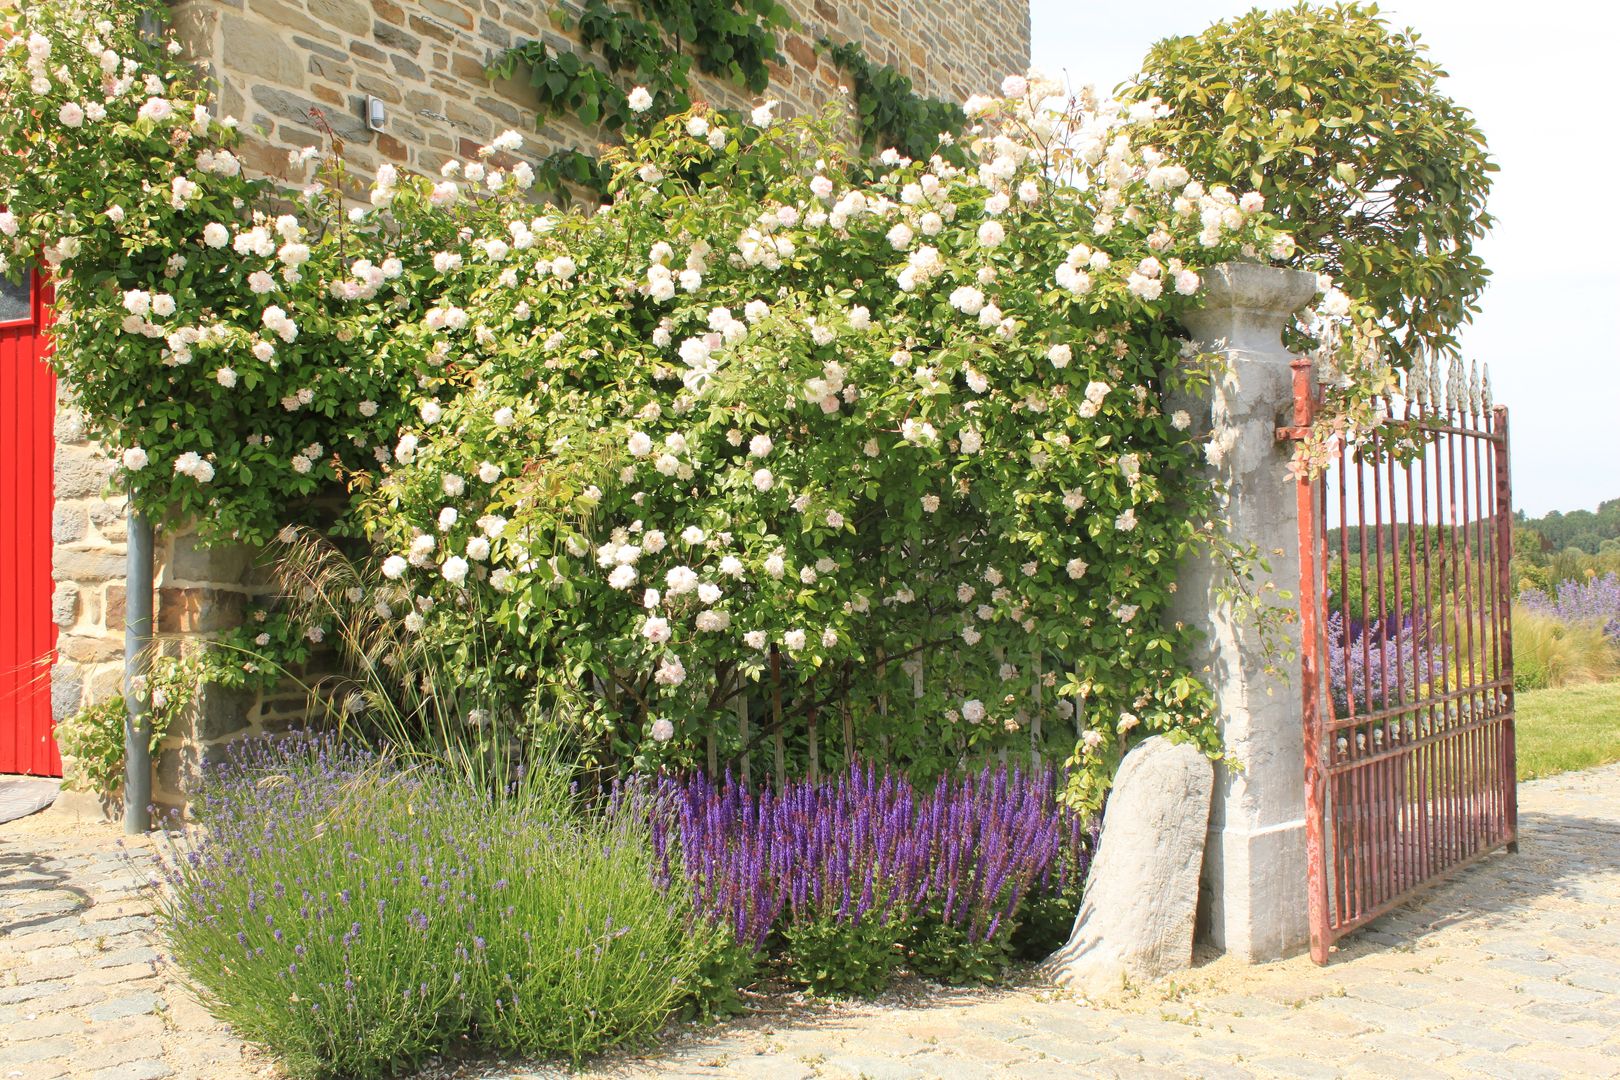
1503,1068
876,1068
145,1069
1480,1038
40,1027
1304,1067
10,995
126,1005
21,1053
1560,993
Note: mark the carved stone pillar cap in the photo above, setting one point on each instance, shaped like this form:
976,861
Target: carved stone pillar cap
1245,305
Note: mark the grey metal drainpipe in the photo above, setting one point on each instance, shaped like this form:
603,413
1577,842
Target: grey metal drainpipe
137,663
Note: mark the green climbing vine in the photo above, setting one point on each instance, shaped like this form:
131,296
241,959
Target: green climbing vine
889,112
647,48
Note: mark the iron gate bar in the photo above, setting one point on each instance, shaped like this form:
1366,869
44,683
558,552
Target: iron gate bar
1409,763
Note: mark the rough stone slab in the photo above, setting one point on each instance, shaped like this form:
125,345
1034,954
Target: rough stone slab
1136,921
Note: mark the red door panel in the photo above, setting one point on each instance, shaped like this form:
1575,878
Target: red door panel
27,449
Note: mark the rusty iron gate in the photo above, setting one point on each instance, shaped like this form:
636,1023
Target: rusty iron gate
1405,541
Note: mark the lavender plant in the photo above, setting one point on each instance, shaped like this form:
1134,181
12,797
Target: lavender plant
848,873
355,914
1380,663
1593,600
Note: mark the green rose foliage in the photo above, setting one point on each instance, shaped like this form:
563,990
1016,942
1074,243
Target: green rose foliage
1340,122
887,453
223,352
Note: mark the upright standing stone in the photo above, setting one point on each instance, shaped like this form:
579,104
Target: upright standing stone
1137,917
1253,888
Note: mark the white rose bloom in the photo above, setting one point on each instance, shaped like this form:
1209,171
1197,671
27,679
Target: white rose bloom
135,459
622,577
394,567
489,472
793,640
639,100
454,570
478,549
662,730
991,234
967,300
655,630
763,479
640,444
973,710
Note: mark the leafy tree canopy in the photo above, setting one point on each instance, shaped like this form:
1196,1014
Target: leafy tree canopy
1339,121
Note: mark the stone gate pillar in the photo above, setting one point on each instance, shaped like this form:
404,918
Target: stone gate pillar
1253,888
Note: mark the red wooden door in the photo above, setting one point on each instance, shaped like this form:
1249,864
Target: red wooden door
27,448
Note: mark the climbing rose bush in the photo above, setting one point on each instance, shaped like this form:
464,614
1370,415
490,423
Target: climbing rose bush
879,449
882,447
218,342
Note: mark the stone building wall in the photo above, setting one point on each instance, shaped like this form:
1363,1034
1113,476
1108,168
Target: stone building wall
274,60
199,593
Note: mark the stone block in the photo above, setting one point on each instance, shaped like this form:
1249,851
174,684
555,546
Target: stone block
67,690
1136,920
87,567
69,522
114,604
198,610
65,604
295,108
81,472
177,770
221,712
190,561
351,16
110,517
258,50
89,648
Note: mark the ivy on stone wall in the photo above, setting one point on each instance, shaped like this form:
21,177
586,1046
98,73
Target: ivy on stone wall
889,112
733,39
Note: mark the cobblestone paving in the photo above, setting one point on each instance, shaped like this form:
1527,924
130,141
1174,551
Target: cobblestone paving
1511,970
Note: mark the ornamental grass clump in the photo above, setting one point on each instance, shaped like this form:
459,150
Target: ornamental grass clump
848,878
355,914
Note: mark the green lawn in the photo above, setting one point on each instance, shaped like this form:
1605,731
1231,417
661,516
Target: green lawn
1574,728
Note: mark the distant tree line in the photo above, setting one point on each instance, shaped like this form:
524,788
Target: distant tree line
1590,531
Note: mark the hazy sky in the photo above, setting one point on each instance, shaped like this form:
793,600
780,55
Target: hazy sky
1540,80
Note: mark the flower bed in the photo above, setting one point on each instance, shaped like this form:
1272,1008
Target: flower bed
355,913
846,879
